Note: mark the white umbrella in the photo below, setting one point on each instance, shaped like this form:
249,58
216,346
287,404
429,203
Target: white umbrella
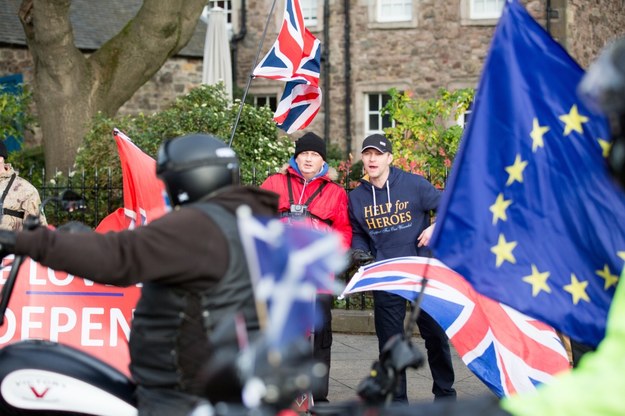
217,65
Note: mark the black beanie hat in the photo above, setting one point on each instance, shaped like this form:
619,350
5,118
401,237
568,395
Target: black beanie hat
3,150
310,142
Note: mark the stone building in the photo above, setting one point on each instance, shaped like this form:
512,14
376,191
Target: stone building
369,46
417,45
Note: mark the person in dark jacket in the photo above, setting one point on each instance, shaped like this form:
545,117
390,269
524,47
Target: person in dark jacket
389,213
190,261
308,193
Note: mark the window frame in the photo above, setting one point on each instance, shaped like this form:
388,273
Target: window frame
368,113
468,19
402,17
228,8
269,97
312,7
490,14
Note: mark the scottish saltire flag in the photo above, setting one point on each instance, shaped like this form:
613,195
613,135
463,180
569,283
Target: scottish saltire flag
288,264
530,215
508,351
298,106
296,54
144,193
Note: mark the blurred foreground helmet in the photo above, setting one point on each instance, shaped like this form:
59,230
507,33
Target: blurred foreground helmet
195,166
603,87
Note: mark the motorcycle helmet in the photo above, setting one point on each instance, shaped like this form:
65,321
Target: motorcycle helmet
194,166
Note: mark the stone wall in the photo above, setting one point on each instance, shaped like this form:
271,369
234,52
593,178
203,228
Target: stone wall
16,60
176,78
591,25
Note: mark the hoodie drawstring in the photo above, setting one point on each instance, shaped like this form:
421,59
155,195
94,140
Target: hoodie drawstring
388,197
301,195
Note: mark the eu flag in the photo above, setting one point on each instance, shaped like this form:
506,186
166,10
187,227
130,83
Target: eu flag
531,216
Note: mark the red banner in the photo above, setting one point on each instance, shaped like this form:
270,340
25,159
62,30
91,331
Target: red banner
53,305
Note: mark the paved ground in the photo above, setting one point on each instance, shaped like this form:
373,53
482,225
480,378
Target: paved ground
352,356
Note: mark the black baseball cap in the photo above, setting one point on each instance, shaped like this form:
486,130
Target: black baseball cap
378,142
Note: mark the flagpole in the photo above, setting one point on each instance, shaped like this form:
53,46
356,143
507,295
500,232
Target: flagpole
251,76
416,304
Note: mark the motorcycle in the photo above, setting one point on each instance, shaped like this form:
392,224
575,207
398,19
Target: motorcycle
39,377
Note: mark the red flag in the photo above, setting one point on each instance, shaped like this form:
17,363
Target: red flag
144,193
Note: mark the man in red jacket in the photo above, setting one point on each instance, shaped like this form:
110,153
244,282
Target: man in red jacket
308,193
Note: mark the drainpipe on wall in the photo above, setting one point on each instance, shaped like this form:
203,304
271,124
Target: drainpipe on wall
235,40
548,16
326,69
348,81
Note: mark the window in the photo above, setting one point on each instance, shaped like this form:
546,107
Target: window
463,119
375,122
224,4
309,10
394,10
486,9
266,100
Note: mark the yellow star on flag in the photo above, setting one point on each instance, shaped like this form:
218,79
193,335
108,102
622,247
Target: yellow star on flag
621,254
605,147
538,281
499,208
573,121
537,134
610,279
515,171
577,289
503,251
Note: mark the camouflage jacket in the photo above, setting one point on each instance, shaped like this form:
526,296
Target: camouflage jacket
21,200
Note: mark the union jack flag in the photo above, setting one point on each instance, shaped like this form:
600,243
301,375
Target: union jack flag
288,265
298,106
296,59
508,351
296,54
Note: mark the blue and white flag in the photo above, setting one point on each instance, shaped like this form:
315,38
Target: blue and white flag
288,265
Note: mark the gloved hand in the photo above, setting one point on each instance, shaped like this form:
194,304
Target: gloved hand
360,257
7,243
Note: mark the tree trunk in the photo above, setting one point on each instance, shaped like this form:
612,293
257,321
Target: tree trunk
70,88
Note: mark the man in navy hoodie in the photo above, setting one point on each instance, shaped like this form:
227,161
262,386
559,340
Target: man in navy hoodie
389,213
